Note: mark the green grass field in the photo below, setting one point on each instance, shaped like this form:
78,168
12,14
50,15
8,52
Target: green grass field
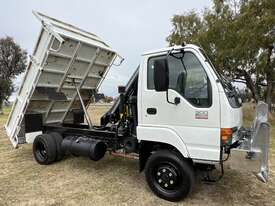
116,181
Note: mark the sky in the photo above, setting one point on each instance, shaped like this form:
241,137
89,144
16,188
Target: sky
131,27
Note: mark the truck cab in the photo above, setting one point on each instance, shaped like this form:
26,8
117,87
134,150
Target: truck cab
194,109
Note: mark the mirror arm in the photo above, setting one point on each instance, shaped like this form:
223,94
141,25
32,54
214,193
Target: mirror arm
167,99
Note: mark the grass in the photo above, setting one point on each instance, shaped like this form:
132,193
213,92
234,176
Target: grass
116,181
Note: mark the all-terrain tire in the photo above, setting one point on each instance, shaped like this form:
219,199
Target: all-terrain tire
169,175
58,141
44,149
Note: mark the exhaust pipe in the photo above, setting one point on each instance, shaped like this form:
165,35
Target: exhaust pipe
83,146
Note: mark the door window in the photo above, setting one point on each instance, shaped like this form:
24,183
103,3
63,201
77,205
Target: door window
187,76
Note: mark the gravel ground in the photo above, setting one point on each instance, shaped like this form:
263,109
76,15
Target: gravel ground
116,181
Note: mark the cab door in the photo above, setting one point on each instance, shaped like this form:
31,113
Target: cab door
196,118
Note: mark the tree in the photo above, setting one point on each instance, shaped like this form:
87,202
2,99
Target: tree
13,61
259,39
239,37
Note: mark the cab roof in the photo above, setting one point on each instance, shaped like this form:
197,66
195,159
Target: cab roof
166,49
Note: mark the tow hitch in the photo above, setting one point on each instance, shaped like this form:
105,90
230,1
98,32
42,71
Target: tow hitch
255,141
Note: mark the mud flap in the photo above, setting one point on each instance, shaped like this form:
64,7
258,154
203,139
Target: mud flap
255,142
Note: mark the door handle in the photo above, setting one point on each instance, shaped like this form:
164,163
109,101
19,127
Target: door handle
151,111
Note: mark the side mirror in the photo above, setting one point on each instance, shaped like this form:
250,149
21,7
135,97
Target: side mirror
161,75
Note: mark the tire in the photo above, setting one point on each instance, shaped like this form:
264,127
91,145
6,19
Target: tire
58,141
44,149
169,175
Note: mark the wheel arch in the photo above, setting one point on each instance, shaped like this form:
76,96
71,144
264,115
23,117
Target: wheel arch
146,148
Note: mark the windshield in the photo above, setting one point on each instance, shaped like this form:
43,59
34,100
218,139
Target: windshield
231,92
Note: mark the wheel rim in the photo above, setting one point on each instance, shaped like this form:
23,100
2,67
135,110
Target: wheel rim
167,176
41,151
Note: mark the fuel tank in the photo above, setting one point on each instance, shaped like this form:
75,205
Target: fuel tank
84,146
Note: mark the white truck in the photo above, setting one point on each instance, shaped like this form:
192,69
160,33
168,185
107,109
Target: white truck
176,113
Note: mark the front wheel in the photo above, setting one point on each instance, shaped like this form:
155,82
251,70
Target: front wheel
169,175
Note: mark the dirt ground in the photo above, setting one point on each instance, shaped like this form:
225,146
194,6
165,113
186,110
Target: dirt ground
116,181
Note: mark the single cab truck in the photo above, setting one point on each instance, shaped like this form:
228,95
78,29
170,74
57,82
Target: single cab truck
176,114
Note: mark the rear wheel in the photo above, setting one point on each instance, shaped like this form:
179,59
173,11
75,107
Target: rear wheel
58,141
169,175
44,149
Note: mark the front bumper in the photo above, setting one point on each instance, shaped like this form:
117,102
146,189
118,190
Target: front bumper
255,141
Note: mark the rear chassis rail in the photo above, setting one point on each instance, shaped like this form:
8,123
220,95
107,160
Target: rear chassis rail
110,138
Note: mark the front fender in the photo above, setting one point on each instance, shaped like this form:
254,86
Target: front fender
163,135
